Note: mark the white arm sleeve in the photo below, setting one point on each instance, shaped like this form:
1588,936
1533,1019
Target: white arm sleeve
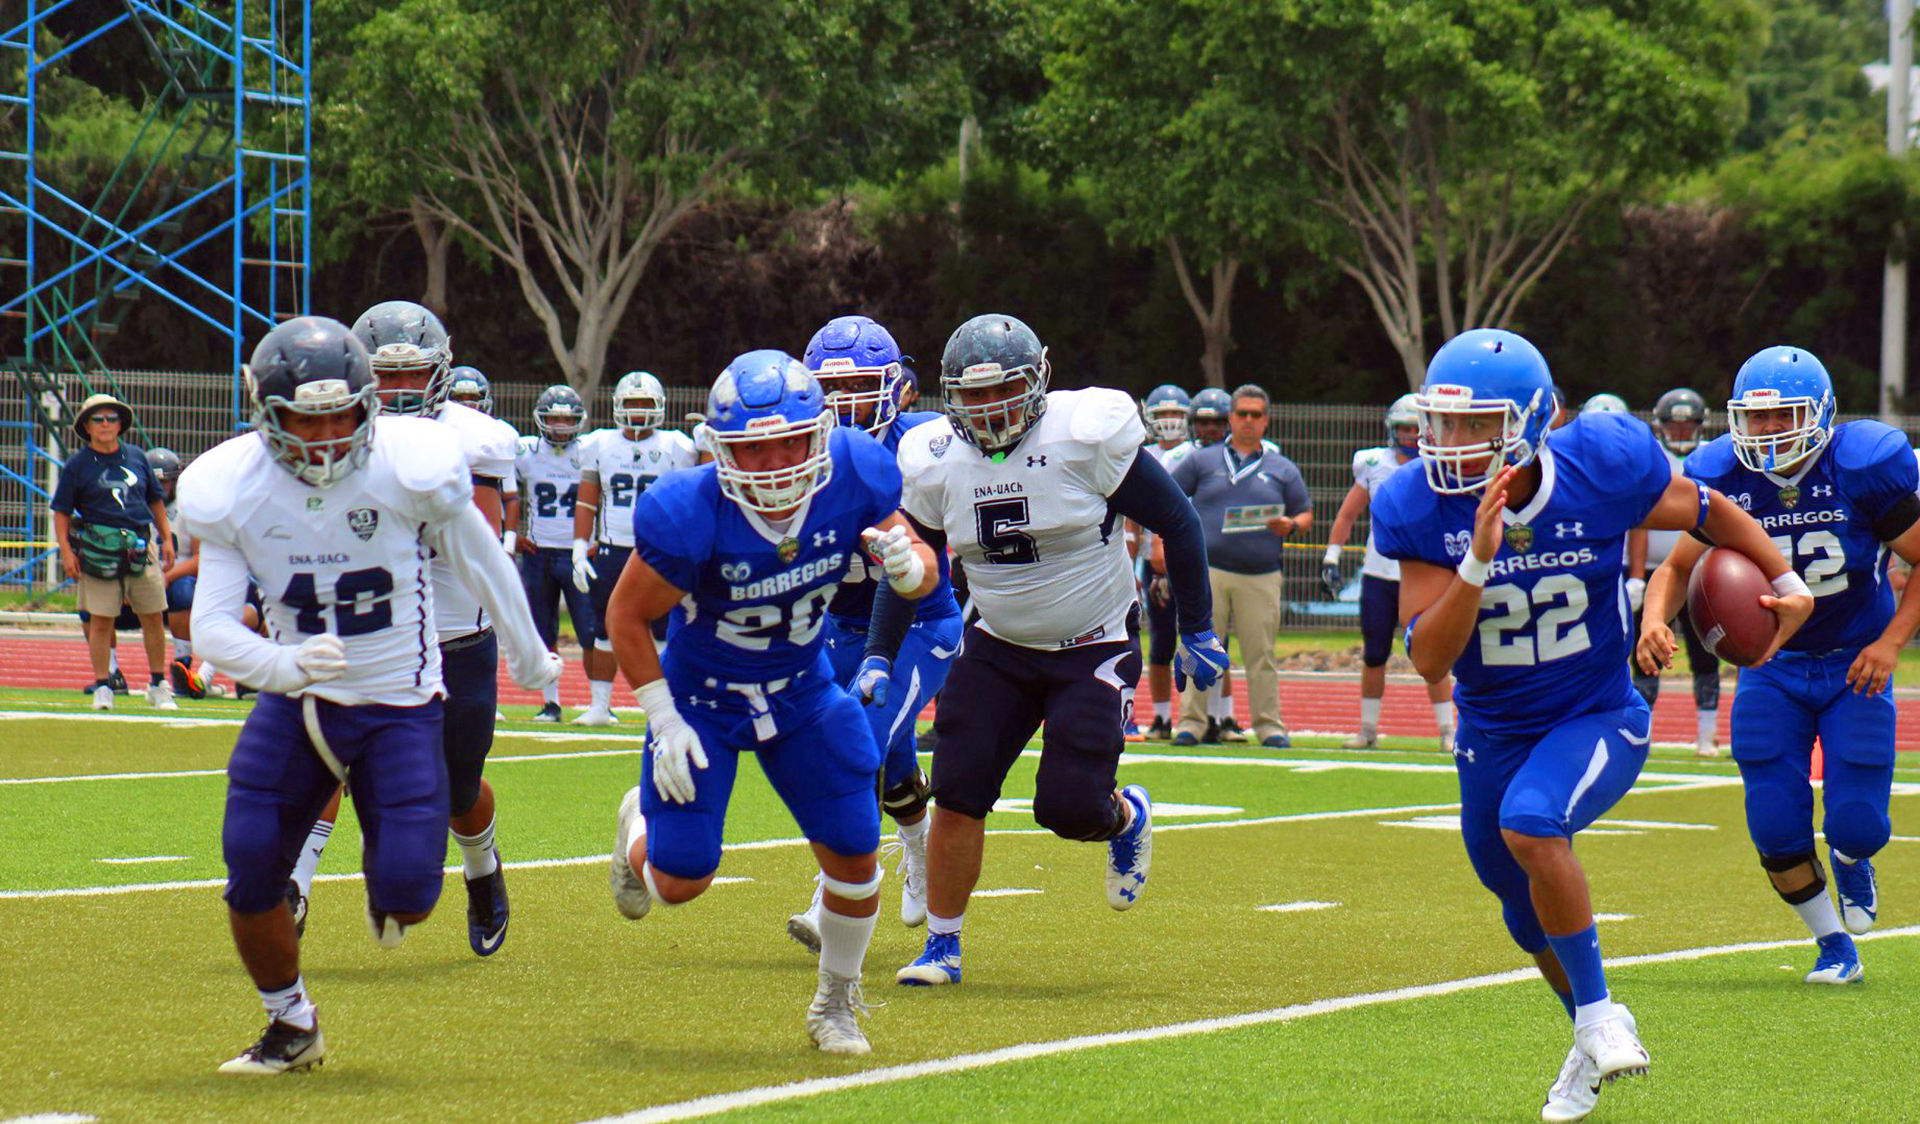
221,635
468,545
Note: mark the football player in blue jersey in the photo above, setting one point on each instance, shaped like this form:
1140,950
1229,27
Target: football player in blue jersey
756,545
1837,498
1516,591
863,374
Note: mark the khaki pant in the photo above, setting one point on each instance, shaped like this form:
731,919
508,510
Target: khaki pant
146,592
1246,607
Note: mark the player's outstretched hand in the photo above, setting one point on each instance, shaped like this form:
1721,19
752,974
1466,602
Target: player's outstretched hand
1793,611
870,683
893,549
1872,669
1487,526
675,746
583,571
321,657
538,673
1330,580
1201,659
1654,653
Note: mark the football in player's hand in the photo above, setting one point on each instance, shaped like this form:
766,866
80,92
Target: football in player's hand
1723,598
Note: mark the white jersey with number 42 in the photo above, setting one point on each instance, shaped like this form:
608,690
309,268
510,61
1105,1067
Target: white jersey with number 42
1046,559
351,559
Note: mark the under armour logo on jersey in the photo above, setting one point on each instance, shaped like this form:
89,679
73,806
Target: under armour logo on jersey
1569,530
1463,753
736,571
825,538
363,522
1819,490
1037,462
1458,542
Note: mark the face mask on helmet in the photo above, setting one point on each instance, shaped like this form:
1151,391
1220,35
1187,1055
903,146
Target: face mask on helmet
770,431
1168,421
1773,432
867,397
1464,440
323,433
639,412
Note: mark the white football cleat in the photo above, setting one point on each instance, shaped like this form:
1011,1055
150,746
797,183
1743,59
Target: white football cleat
282,1048
830,1019
1613,1045
1574,1092
805,927
160,696
596,714
103,697
913,878
630,894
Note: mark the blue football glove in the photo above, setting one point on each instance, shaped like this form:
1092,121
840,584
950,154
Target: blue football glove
1201,659
870,682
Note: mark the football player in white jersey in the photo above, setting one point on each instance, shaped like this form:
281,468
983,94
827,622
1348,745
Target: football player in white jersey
1380,578
1168,411
1030,489
616,465
412,357
334,511
549,471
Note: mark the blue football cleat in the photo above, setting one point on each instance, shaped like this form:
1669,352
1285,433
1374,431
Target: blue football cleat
1858,891
1839,961
939,964
1185,738
487,910
1130,853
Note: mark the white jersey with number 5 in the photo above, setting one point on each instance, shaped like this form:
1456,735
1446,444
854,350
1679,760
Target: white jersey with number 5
490,447
624,467
351,559
549,485
1046,558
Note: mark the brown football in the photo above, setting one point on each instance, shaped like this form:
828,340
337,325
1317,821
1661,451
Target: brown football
1723,598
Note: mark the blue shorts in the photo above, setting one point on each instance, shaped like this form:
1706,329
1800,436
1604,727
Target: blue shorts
1553,783
277,785
180,593
547,575
919,671
1778,710
1379,618
814,745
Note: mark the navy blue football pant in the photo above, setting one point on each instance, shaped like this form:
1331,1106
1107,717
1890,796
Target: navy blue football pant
997,696
813,743
1549,783
277,785
608,561
547,575
470,666
1163,633
1379,618
919,671
1778,709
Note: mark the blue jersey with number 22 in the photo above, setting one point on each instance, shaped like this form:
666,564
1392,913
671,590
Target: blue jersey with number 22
759,596
1551,643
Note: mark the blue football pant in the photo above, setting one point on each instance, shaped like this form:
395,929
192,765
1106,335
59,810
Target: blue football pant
1552,784
919,671
547,576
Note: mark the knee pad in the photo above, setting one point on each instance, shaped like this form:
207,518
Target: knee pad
853,891
1857,829
1706,691
387,932
906,800
1777,864
1078,817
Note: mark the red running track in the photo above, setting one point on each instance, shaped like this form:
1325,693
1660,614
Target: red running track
1318,702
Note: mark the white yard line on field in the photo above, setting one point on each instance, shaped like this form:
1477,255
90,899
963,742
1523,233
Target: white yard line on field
887,1075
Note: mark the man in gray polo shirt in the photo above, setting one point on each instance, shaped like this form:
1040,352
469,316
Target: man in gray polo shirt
1223,480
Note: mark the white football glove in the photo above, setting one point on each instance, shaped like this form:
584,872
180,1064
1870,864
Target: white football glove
583,571
1636,592
321,657
510,542
676,748
538,673
893,549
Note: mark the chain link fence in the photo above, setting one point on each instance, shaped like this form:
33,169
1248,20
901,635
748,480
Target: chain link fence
191,411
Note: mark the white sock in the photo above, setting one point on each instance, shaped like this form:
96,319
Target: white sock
653,890
844,940
1586,1014
602,692
915,829
309,861
208,670
290,1004
1843,858
1220,702
113,660
551,696
939,924
1821,919
1370,717
182,649
476,852
1163,711
1709,721
1443,718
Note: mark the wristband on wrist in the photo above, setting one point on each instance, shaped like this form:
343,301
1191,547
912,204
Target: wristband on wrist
1473,571
1333,555
1790,584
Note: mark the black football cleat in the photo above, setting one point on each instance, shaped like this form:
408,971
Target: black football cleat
487,910
283,1048
297,906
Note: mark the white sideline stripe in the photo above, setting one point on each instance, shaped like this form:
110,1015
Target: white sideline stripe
1010,892
1614,916
796,1090
751,845
52,1118
1297,907
144,859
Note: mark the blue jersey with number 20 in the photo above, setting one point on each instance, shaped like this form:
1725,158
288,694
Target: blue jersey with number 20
1552,637
758,596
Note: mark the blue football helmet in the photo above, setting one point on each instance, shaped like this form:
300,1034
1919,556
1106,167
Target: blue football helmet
861,370
1484,373
1210,406
766,395
1781,378
313,365
1401,414
404,338
560,414
1165,409
469,387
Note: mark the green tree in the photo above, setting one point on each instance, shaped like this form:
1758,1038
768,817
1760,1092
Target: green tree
568,138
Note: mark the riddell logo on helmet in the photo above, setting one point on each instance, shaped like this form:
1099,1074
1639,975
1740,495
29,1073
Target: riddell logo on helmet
766,421
1449,392
1760,393
982,369
838,363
